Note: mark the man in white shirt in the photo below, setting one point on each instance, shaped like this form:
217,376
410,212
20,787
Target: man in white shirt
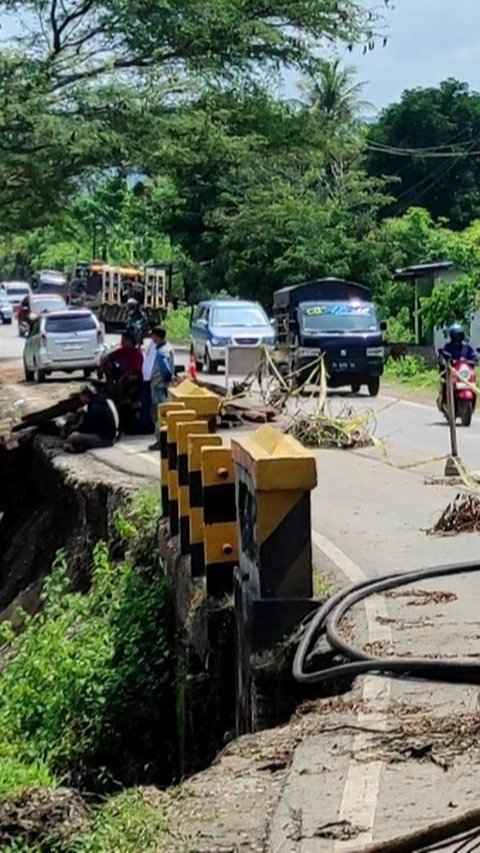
146,424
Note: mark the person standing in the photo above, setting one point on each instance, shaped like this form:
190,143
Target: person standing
146,424
162,374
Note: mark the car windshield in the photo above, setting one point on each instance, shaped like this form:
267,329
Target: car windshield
66,324
239,315
338,318
39,305
17,292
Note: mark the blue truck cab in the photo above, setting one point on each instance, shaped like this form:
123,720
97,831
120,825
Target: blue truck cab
337,318
219,323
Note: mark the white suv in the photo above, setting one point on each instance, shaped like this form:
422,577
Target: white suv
63,341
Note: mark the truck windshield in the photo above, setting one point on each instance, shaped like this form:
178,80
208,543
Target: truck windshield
338,318
239,315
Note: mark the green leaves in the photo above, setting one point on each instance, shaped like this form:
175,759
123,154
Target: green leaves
85,690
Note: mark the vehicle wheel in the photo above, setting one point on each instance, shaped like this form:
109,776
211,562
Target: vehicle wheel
28,373
466,412
374,387
210,366
8,322
355,386
38,375
198,364
87,374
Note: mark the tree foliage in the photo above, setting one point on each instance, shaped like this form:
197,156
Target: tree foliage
428,141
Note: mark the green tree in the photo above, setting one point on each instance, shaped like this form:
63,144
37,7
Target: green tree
333,92
427,142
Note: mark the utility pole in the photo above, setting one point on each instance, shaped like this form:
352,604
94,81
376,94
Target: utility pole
453,461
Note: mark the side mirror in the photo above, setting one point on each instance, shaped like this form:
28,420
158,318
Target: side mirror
272,321
383,326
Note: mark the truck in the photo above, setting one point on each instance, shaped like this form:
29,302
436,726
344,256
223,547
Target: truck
106,289
334,318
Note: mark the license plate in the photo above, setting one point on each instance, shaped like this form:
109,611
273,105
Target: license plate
71,347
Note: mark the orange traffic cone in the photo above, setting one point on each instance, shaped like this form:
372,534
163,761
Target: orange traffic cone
192,366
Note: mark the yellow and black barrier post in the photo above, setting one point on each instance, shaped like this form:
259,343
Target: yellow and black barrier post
204,402
219,517
163,410
184,432
173,421
273,585
196,443
275,475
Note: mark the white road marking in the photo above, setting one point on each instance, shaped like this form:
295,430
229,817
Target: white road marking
362,785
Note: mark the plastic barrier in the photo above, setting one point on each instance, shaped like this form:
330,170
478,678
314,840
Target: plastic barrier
219,516
197,551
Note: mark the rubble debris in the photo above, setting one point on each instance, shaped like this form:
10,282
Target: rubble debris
422,597
348,430
462,515
36,815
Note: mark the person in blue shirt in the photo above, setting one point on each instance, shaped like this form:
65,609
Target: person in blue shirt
457,348
163,372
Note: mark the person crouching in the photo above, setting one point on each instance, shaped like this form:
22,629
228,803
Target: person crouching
98,425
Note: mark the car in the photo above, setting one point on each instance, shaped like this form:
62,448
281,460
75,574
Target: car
219,323
63,341
16,293
51,281
6,310
36,304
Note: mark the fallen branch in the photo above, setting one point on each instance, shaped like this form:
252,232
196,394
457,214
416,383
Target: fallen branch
462,515
348,430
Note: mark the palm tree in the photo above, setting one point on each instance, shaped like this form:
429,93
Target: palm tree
333,92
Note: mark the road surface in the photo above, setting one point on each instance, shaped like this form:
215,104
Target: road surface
369,517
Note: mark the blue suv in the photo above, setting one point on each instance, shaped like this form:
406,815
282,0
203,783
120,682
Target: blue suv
220,323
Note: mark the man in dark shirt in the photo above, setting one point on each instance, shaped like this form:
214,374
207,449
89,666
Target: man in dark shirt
98,424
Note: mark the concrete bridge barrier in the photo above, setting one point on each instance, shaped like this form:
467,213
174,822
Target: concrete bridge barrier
196,443
219,518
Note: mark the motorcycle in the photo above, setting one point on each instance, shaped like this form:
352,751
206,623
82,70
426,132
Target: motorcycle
463,377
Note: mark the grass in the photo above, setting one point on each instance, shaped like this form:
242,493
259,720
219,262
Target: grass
126,823
16,776
177,325
412,372
322,586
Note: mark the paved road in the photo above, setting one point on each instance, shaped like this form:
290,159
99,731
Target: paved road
369,518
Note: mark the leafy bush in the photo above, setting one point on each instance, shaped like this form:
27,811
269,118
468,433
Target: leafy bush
411,370
86,688
177,325
450,303
399,327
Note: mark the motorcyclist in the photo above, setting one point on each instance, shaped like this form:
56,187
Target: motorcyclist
136,322
456,349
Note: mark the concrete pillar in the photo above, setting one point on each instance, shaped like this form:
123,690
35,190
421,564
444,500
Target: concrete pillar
173,420
197,552
184,431
163,410
219,517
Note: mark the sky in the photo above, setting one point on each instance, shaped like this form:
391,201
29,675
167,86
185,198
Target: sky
429,40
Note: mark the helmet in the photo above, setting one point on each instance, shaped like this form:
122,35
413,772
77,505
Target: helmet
456,332
132,302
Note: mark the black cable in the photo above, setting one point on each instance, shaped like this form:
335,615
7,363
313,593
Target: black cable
326,621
